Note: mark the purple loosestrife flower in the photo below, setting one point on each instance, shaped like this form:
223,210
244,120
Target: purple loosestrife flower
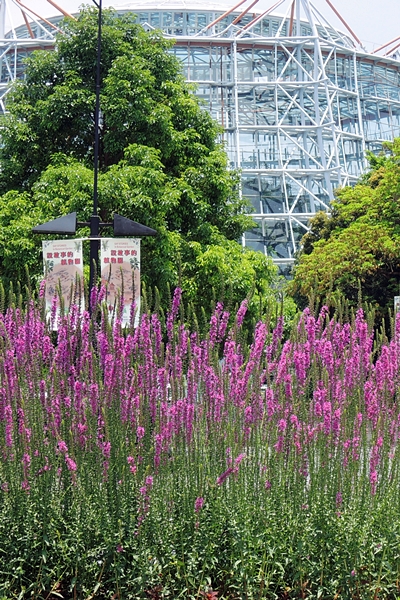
102,342
47,349
279,444
385,371
371,402
62,447
321,319
173,312
218,324
336,424
53,312
223,325
81,429
140,431
272,405
284,361
282,425
94,296
301,363
132,465
42,288
25,486
71,464
26,461
198,504
327,412
238,460
214,323
11,375
224,476
234,469
241,313
361,330
105,448
319,397
248,415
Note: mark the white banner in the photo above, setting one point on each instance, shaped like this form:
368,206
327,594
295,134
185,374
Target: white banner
63,272
120,269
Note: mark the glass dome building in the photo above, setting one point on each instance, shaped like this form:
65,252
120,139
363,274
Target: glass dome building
299,101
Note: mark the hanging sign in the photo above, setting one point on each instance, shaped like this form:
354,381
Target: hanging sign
120,274
63,272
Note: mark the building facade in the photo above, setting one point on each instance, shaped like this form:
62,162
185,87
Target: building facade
299,102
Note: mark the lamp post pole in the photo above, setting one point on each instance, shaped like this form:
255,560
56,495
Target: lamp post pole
67,225
95,219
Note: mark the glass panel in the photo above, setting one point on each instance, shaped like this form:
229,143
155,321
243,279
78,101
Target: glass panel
199,64
155,19
178,23
166,19
277,239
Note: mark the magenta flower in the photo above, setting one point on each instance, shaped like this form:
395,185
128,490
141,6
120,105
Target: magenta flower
62,447
71,464
224,476
241,313
132,465
198,504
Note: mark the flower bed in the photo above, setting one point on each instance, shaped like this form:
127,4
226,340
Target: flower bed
150,463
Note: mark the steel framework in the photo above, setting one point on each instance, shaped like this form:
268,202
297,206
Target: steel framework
299,101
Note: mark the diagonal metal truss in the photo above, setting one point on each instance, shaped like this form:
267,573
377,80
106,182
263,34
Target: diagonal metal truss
16,43
306,128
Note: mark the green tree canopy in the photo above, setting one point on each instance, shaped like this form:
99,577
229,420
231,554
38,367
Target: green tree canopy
160,160
359,242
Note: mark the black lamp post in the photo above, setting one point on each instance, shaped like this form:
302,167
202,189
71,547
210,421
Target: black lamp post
95,219
68,224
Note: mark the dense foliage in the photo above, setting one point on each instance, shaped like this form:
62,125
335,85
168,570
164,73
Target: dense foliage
160,161
139,465
358,244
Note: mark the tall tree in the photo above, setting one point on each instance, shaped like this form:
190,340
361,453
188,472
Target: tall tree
358,244
160,160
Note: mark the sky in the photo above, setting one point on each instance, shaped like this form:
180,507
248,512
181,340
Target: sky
373,22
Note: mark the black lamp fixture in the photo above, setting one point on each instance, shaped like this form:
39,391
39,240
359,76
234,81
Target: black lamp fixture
68,224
